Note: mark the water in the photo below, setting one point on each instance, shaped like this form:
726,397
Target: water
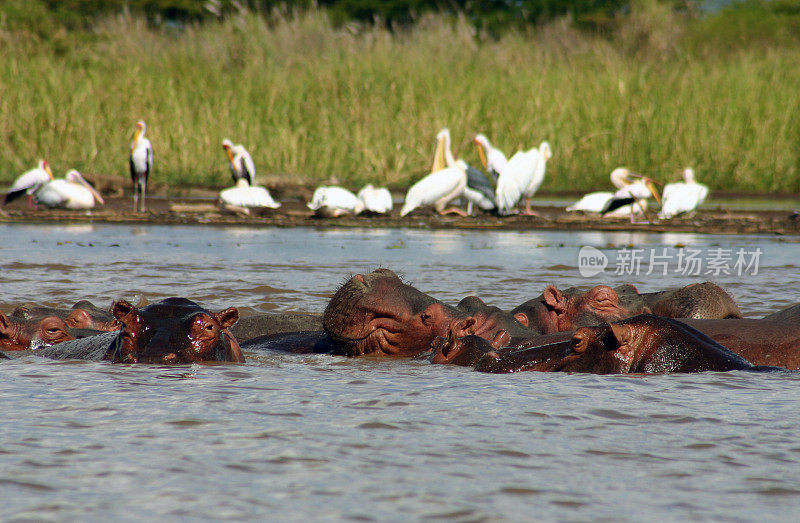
317,437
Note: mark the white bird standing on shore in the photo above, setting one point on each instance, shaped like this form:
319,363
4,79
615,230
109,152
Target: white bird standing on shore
241,163
595,201
442,185
334,201
515,179
246,195
682,197
538,176
70,192
493,159
375,200
141,163
28,182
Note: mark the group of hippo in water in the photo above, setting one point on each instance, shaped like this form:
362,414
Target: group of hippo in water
601,330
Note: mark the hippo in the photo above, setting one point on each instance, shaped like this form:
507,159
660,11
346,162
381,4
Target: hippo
646,344
379,314
249,327
82,315
698,300
174,330
557,311
465,350
788,315
18,334
759,341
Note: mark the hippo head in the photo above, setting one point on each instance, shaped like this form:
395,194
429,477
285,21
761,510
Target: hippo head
590,349
175,330
377,313
459,349
32,334
83,319
641,344
557,311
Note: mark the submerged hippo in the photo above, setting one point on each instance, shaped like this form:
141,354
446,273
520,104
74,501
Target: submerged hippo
175,330
249,327
641,344
789,315
379,314
32,334
82,315
557,311
759,341
699,300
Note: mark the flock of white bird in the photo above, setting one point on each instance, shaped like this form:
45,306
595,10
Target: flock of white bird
509,182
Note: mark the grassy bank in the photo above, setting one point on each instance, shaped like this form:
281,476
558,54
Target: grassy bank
314,103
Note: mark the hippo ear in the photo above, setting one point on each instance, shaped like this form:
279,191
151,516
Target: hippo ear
555,299
4,323
622,335
462,327
123,311
522,318
228,317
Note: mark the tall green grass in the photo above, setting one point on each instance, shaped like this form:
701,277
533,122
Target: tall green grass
314,103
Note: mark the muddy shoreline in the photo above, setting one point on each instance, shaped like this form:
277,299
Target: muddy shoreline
200,208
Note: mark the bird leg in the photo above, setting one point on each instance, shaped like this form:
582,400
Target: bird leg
644,212
528,211
453,210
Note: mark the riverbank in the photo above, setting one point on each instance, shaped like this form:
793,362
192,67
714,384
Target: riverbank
200,208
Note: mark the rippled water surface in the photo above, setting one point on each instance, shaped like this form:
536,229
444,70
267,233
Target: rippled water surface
296,438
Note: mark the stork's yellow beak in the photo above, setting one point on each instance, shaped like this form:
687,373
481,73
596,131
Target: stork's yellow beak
48,170
136,135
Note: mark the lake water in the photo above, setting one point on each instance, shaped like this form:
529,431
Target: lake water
317,437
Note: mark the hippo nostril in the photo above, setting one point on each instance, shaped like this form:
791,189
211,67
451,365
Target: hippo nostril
170,358
360,278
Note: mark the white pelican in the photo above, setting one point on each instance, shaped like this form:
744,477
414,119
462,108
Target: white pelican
70,192
29,181
634,194
334,202
241,163
682,197
595,201
493,160
479,190
141,163
538,176
442,185
246,195
514,180
375,200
